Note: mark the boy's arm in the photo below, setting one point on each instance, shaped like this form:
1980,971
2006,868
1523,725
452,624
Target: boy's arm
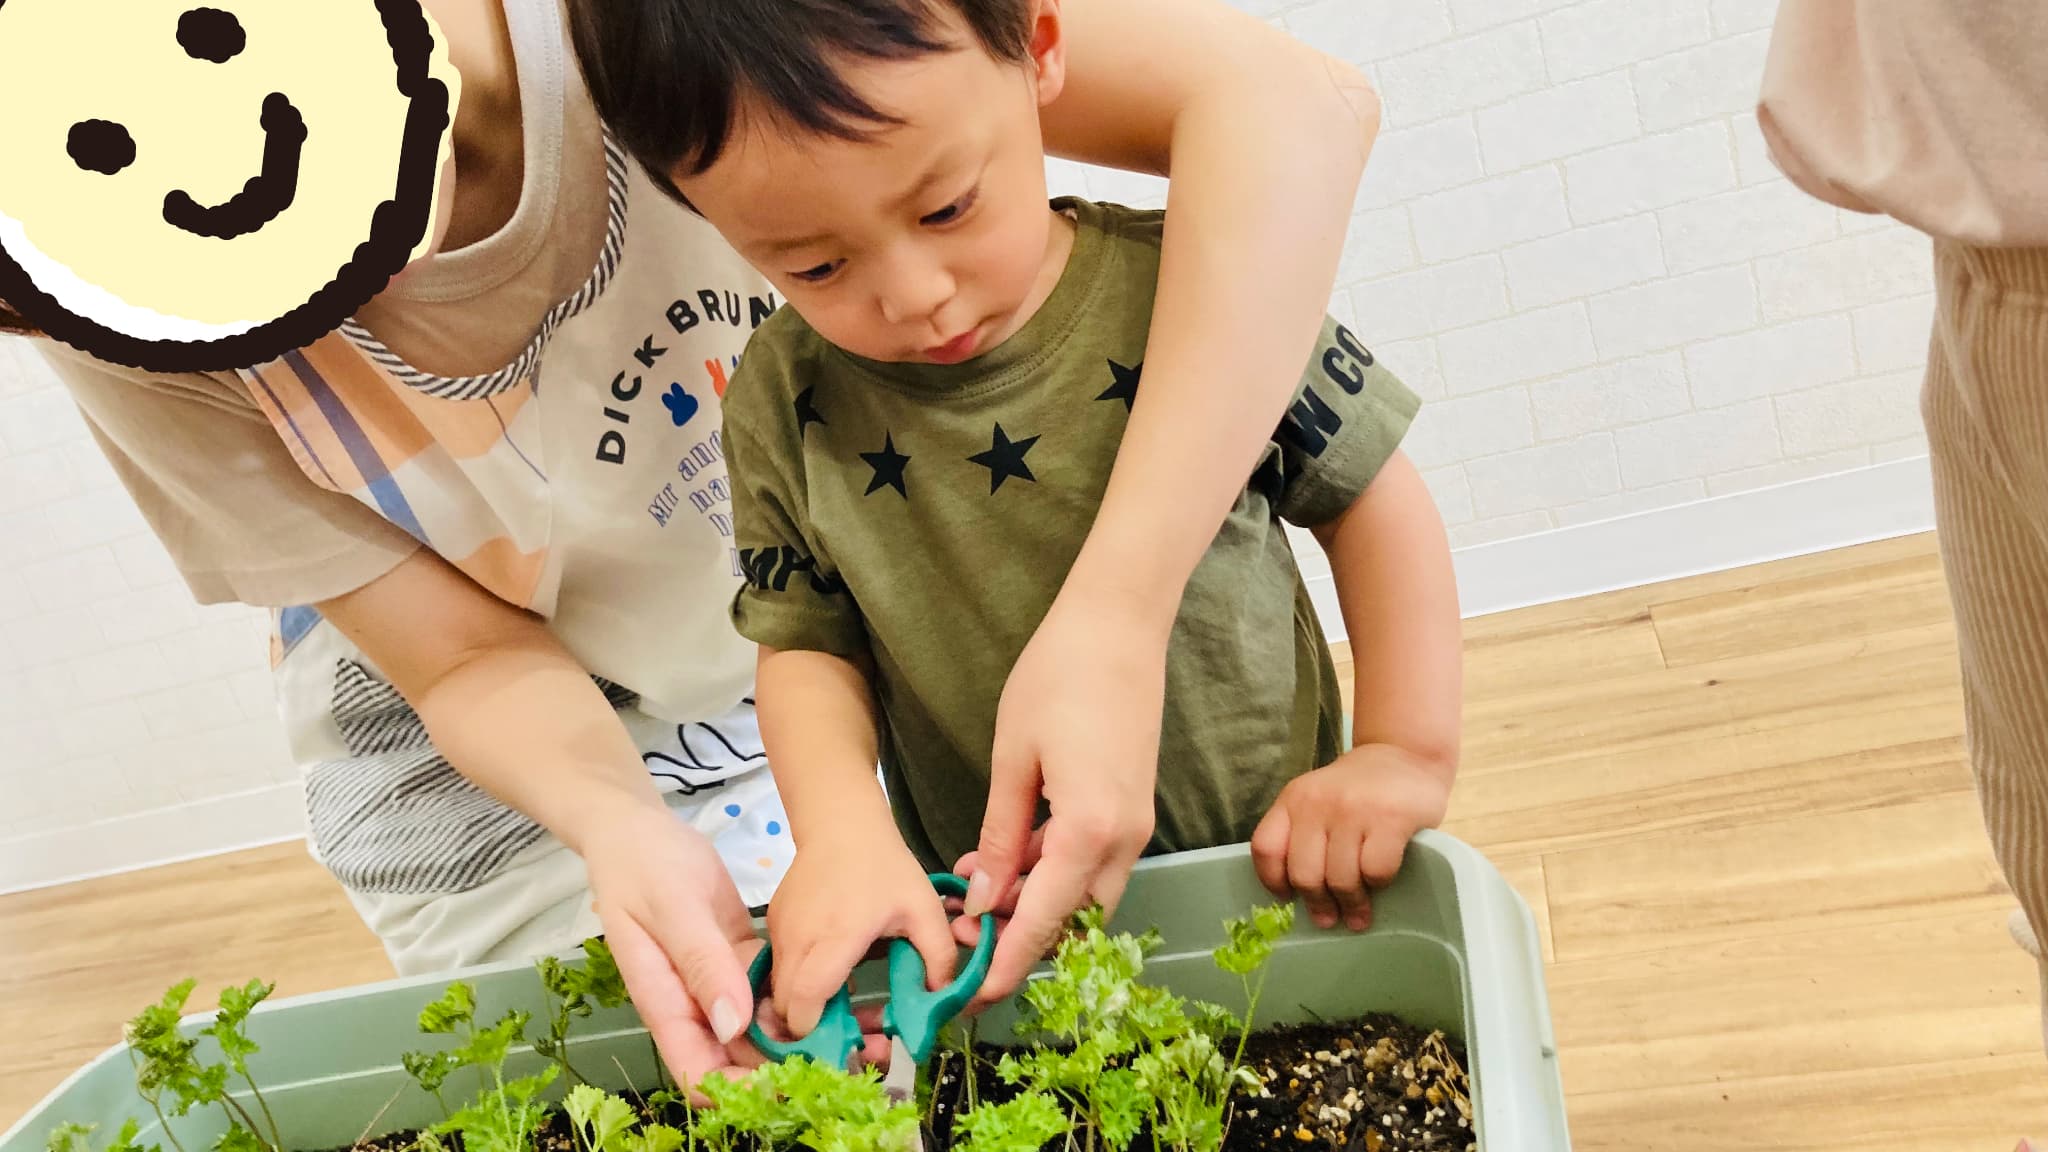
818,725
1391,562
1342,830
853,881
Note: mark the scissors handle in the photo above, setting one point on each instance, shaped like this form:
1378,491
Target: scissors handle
914,1013
833,1041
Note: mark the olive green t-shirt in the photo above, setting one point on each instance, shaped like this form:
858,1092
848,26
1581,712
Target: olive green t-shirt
926,516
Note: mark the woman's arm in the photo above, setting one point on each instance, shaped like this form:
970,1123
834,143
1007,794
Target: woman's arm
1266,140
516,714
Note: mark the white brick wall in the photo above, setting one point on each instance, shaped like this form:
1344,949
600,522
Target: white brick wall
1571,241
118,695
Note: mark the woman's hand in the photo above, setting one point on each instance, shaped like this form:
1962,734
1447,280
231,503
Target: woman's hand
681,936
1078,725
514,712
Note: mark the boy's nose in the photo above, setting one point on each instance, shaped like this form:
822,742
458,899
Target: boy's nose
915,292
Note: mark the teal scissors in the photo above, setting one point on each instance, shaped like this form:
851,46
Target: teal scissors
911,1019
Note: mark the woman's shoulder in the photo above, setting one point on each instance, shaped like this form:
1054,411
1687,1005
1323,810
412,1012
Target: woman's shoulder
87,377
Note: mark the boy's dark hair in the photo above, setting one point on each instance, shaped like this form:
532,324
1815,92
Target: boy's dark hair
667,76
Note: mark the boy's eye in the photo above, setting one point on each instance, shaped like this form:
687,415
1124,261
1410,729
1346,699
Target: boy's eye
953,211
819,274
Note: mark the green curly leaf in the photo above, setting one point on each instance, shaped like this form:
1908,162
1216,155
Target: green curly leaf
655,1138
602,981
70,1137
489,1047
1253,938
240,1139
600,1117
457,1006
126,1139
1025,1123
502,1120
1123,1106
430,1069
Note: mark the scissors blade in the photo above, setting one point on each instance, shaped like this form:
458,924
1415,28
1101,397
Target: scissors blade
900,1082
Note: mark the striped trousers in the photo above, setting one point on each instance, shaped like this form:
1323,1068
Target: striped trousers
1985,402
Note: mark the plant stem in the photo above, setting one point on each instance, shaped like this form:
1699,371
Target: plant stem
1251,1008
973,1086
227,1105
234,1108
562,1052
661,1079
155,1105
504,1112
276,1134
165,1122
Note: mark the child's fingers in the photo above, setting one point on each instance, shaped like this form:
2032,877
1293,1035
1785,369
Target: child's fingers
814,977
1379,859
1307,852
1269,849
1343,874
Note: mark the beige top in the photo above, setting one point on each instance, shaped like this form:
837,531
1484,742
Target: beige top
541,408
210,472
1934,112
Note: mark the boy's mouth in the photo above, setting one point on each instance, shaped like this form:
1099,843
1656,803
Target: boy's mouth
960,348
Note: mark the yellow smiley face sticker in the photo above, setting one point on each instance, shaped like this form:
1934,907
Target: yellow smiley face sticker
206,185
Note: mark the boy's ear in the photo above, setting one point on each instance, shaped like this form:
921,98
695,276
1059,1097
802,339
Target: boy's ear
1048,50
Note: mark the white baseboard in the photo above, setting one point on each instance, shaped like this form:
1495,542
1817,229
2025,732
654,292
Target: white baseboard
1887,500
148,839
1796,519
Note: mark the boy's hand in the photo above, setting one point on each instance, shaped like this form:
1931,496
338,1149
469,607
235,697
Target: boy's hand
845,892
1342,830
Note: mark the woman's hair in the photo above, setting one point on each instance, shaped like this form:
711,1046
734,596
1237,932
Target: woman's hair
667,76
15,323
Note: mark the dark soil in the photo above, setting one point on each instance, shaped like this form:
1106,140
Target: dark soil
1370,1085
1374,1085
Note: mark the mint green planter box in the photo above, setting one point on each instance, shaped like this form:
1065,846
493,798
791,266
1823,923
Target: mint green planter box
1452,947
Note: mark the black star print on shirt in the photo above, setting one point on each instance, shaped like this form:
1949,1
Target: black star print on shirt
1005,459
888,465
806,411
1126,386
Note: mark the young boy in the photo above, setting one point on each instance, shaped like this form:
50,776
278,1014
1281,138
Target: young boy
918,444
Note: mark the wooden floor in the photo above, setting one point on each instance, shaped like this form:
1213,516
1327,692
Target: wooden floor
1737,803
